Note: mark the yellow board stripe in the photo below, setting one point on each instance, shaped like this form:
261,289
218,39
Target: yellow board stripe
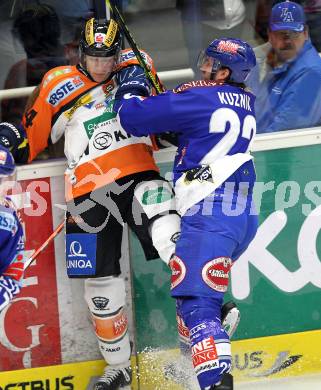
257,359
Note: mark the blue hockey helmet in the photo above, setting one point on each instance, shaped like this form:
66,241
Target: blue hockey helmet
7,164
234,54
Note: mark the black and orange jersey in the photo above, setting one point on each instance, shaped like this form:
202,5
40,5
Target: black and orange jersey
97,148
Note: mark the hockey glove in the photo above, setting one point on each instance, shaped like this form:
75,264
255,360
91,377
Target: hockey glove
166,140
131,80
11,136
8,289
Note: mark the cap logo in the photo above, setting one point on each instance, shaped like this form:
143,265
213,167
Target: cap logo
286,15
89,31
111,33
229,47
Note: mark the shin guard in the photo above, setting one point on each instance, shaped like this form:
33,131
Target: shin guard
106,299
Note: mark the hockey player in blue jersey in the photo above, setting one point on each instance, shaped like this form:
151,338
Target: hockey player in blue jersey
11,237
214,177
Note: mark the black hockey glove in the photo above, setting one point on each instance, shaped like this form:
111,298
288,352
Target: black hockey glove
131,80
166,140
11,136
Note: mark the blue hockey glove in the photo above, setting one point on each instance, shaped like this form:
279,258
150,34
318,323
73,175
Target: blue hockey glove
8,289
131,80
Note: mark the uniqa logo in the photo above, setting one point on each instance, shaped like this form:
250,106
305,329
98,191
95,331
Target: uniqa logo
75,250
272,268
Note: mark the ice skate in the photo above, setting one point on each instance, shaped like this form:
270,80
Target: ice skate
226,383
114,377
230,318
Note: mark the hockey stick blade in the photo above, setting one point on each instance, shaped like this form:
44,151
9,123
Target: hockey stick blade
154,79
44,245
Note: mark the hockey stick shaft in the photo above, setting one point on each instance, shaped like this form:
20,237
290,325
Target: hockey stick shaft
45,244
153,78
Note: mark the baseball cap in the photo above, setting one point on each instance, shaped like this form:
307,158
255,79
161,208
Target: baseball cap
287,16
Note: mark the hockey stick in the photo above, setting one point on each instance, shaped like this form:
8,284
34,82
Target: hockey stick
120,21
44,245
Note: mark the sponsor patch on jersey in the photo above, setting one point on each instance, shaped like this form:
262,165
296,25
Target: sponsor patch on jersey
81,254
215,273
102,140
8,222
55,74
178,271
99,122
156,196
64,89
85,100
16,267
130,55
201,174
204,355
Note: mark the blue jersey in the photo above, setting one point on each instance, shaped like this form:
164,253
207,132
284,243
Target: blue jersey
212,120
11,252
215,124
11,241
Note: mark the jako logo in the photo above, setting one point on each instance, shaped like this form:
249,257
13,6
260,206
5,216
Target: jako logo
75,250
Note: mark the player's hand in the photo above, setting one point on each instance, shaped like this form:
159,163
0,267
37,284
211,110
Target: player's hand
8,289
166,140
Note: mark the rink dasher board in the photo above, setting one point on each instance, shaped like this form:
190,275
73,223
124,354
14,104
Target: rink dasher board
274,358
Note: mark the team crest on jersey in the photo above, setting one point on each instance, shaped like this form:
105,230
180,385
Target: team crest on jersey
107,88
64,89
178,271
215,273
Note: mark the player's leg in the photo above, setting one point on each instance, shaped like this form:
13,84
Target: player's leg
154,217
105,297
200,271
94,254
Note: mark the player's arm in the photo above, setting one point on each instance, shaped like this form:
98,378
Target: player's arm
11,260
156,114
131,79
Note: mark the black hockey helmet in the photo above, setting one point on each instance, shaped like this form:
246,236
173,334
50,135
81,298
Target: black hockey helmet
100,38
